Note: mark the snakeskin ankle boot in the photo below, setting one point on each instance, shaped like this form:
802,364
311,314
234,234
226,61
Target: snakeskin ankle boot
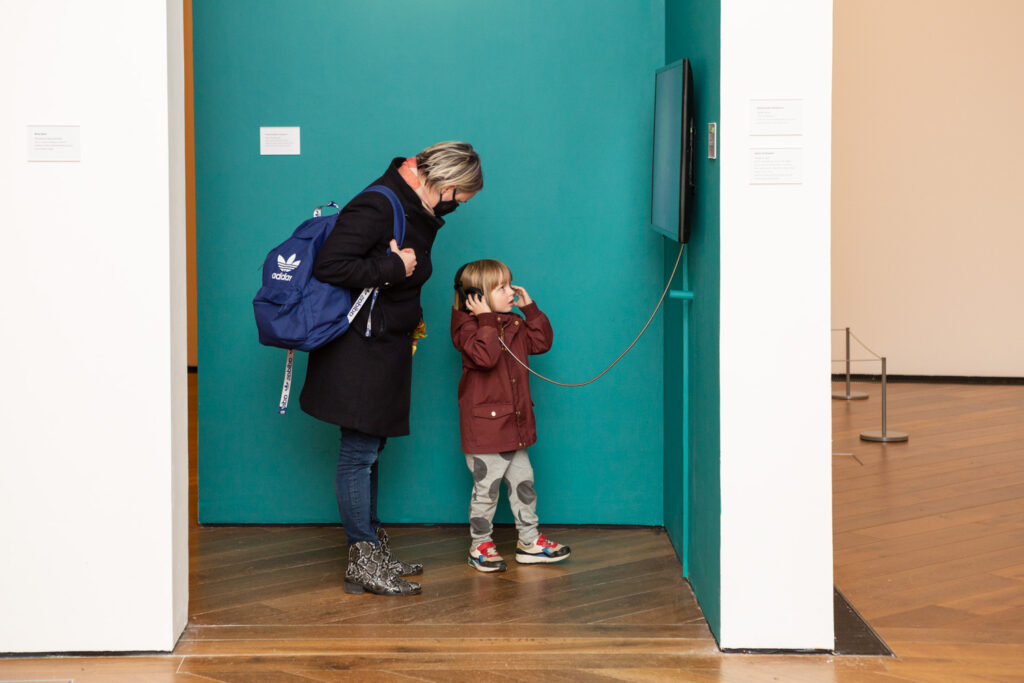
369,572
397,566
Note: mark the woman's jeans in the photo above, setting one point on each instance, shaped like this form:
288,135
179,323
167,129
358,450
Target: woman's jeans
356,484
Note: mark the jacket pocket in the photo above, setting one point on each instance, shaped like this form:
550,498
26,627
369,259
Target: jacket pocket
492,411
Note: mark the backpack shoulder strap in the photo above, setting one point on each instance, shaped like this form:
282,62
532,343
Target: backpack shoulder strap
396,206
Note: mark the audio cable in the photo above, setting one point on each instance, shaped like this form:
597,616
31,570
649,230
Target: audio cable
632,344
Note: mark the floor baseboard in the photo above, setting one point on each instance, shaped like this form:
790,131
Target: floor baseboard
931,379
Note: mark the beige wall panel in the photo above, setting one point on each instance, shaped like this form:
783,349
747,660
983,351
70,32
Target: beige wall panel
927,242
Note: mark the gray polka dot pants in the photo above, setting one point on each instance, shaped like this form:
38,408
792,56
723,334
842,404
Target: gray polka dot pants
488,471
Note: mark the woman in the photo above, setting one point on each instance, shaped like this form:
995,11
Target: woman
361,381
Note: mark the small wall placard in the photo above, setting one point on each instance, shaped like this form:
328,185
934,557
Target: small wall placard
777,117
279,140
776,166
54,143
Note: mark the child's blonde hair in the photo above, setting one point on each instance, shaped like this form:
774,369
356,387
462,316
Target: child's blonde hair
485,275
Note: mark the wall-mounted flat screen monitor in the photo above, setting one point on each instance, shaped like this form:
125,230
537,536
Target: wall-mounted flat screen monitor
672,191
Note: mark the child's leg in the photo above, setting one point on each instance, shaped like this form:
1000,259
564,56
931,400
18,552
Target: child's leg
488,470
521,496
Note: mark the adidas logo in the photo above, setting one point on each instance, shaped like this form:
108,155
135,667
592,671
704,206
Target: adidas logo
285,267
289,265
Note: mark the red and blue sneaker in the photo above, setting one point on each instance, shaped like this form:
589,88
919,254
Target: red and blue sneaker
541,551
485,558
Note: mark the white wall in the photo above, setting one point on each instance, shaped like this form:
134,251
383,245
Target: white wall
178,267
93,490
776,554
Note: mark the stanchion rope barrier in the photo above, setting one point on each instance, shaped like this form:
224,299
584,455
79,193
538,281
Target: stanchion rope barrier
866,348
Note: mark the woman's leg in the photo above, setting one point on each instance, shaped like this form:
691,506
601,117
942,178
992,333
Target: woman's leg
522,497
396,566
354,484
374,519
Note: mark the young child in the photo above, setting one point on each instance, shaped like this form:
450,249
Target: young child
495,411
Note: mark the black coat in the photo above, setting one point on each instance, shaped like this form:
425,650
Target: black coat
361,382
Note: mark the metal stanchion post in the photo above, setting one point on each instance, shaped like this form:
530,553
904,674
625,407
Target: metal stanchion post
884,436
848,396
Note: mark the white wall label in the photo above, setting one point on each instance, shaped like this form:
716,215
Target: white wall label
777,117
776,165
54,143
279,140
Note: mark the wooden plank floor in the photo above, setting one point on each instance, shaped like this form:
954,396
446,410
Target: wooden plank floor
929,534
929,547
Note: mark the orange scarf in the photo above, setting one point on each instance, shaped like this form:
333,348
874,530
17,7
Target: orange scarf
408,172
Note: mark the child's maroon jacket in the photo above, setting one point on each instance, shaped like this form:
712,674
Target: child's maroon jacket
495,410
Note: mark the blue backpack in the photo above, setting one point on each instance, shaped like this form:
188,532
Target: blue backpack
293,309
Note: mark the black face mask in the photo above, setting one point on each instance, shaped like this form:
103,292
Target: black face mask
445,206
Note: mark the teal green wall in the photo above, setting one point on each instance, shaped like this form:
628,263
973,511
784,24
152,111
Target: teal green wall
557,97
692,491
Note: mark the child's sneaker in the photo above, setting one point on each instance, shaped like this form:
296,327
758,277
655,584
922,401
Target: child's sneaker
541,551
485,558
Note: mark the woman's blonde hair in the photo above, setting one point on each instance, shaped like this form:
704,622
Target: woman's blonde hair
485,275
449,164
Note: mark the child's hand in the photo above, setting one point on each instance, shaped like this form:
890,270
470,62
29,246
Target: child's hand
477,304
522,298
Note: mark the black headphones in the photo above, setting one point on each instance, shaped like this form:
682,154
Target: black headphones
465,293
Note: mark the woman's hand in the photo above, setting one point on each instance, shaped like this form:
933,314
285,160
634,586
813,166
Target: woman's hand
407,255
477,304
522,298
